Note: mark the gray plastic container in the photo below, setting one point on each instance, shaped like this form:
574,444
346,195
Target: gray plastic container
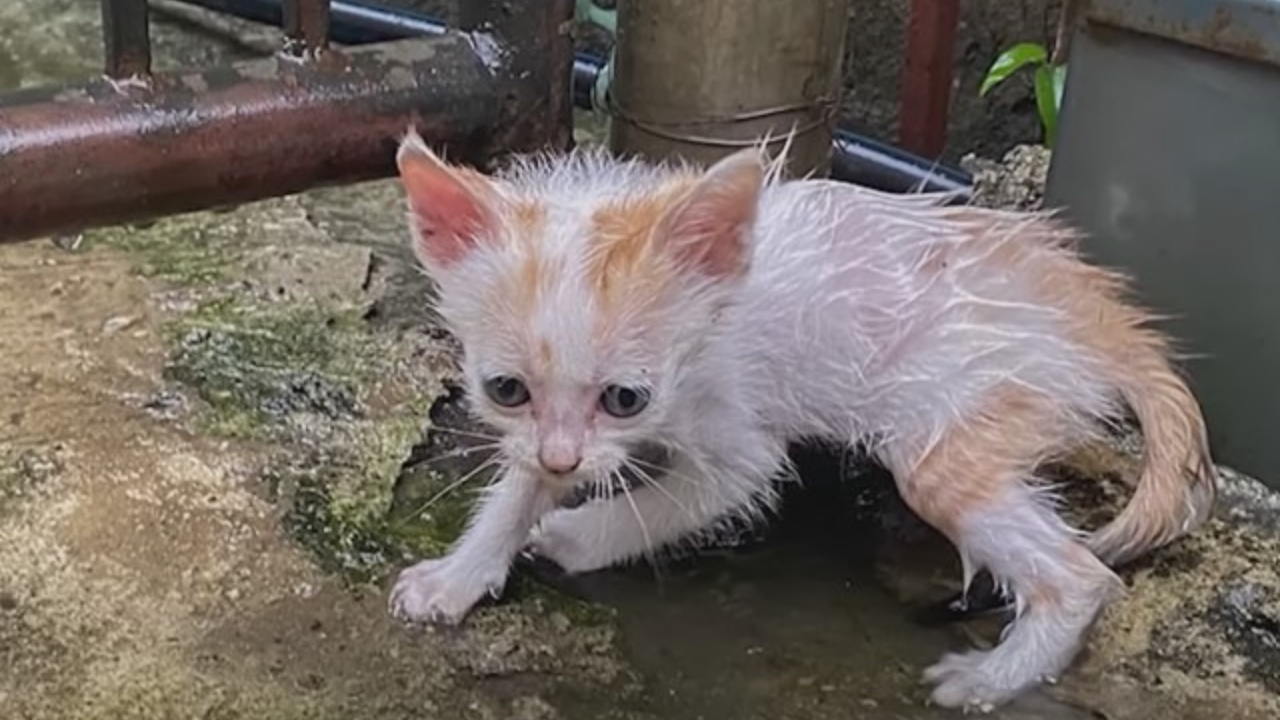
1168,155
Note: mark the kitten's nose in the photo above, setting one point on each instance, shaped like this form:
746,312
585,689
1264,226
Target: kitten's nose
559,460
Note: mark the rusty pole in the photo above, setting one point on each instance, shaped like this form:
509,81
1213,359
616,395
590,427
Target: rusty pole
926,78
126,38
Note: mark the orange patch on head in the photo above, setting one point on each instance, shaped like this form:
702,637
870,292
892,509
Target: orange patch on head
526,227
624,255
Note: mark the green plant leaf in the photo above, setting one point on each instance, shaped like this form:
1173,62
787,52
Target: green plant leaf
1012,60
1047,99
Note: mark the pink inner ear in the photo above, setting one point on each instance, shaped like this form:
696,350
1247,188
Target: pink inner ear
710,237
448,213
708,230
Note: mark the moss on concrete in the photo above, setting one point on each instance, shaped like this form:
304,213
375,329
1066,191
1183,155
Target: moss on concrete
273,339
186,248
256,367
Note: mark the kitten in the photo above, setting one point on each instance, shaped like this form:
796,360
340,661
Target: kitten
606,305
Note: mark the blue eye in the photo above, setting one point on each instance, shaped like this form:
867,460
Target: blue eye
506,391
624,402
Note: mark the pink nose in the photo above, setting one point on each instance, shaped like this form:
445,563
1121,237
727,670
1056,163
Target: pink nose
560,461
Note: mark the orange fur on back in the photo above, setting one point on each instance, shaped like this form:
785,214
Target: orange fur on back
1177,487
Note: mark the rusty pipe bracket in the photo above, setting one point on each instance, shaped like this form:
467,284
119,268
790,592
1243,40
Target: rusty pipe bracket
529,46
306,27
103,152
126,39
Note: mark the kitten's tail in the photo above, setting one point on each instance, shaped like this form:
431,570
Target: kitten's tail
1177,487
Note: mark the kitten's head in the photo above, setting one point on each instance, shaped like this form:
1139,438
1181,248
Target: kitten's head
581,290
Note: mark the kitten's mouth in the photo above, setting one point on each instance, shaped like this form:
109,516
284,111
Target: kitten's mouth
646,463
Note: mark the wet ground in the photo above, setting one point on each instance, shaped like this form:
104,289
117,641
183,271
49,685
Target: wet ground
220,434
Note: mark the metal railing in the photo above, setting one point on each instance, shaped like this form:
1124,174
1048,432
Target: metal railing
133,144
856,158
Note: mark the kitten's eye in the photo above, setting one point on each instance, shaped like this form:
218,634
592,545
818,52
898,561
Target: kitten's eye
506,391
624,402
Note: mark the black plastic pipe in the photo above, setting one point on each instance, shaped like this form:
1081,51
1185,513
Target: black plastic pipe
855,158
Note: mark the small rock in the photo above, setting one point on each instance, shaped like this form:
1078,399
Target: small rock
68,241
561,622
532,708
115,324
1016,182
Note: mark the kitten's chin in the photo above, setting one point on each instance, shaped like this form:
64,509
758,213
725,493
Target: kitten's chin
568,491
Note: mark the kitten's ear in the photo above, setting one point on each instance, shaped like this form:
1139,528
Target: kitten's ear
451,208
709,227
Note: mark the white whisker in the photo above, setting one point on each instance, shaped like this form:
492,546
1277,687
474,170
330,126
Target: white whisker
495,460
656,484
464,433
644,527
458,452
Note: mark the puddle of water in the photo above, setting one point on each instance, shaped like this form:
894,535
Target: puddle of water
794,627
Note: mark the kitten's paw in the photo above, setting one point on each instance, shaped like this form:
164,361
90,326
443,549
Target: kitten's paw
969,681
555,539
434,591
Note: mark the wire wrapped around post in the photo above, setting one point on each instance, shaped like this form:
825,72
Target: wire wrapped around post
699,80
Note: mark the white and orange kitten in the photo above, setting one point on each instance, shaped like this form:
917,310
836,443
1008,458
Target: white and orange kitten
720,314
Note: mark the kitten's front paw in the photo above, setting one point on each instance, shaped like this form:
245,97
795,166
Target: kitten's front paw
434,591
555,540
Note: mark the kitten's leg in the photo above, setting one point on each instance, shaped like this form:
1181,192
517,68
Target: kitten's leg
443,590
599,534
973,487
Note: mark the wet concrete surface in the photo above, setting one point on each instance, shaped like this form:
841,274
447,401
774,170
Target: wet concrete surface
212,457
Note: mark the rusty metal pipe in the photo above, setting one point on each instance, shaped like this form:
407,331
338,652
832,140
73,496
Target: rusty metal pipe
106,153
126,38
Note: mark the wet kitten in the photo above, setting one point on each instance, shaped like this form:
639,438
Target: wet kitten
720,314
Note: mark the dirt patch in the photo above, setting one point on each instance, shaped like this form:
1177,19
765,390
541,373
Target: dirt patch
166,389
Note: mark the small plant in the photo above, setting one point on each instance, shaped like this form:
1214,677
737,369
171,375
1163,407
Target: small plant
1050,77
